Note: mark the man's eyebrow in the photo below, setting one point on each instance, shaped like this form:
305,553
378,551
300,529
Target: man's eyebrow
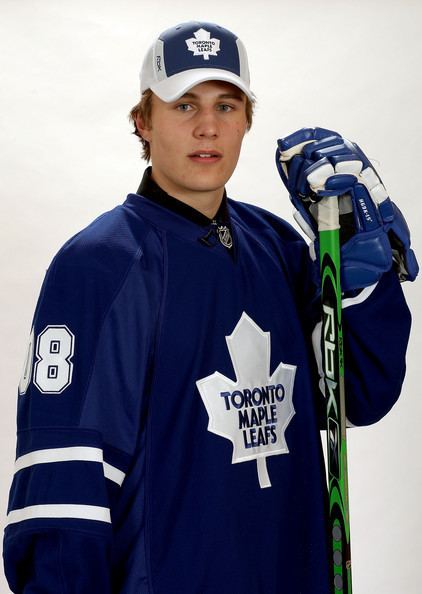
234,95
238,96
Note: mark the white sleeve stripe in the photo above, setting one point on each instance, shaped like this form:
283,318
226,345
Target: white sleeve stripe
363,295
113,473
70,454
82,512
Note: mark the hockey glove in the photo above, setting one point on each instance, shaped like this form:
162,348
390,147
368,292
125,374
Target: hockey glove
315,162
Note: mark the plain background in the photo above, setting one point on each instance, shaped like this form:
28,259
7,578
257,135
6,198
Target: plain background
69,76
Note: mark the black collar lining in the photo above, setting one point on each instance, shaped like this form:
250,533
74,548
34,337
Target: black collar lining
151,190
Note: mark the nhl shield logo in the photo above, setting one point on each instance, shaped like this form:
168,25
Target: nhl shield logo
225,236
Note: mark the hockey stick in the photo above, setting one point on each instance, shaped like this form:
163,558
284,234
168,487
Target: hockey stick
333,366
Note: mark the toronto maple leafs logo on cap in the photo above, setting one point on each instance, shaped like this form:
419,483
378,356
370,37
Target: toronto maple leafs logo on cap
203,44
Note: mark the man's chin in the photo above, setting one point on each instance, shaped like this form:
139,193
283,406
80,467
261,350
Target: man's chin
207,181
192,180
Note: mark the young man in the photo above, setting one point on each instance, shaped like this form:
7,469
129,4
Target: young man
169,411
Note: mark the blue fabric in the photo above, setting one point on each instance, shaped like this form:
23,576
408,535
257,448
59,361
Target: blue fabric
53,561
57,482
150,307
39,439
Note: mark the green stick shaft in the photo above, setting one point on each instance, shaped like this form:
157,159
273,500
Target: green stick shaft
333,366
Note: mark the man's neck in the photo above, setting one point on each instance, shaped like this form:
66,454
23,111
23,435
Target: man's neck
206,203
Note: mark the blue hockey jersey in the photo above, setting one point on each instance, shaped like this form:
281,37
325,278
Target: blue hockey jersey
169,413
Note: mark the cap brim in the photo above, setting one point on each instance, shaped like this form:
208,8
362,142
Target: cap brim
177,85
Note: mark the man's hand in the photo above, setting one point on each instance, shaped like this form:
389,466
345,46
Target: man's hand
315,162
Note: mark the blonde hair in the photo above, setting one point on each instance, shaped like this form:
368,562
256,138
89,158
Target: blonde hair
143,109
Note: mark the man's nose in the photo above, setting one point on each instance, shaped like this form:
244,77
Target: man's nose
207,124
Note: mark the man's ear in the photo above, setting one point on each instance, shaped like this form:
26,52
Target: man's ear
143,129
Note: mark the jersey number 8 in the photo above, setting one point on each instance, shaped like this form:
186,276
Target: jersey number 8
53,368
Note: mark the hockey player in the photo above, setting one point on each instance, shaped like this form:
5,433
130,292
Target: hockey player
169,411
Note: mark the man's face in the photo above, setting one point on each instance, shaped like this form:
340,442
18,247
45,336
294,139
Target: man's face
195,141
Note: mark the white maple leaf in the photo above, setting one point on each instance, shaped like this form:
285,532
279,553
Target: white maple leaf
254,411
203,44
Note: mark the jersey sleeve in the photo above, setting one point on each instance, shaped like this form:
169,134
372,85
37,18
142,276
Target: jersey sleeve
376,328
376,331
80,402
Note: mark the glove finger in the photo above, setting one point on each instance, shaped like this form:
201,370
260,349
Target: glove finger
367,165
318,173
374,185
293,177
293,143
361,155
346,171
297,175
346,163
320,133
314,150
337,185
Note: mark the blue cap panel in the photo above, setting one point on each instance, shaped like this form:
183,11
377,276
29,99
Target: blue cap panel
216,48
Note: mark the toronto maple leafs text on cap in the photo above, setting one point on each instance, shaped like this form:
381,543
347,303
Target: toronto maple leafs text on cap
202,44
191,53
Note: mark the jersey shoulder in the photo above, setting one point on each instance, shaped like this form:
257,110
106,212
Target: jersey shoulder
273,232
92,266
104,247
279,240
261,220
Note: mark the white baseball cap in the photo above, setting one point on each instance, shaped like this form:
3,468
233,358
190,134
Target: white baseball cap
191,53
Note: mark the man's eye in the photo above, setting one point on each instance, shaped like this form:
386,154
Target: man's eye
225,107
183,107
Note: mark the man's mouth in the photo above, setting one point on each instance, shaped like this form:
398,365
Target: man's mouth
205,156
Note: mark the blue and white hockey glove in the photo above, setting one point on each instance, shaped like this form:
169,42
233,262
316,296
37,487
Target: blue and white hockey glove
315,162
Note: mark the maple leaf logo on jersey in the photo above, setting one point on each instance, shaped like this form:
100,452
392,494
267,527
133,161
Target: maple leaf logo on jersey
203,44
255,410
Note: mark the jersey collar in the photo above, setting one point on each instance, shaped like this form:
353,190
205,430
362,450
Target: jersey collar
150,189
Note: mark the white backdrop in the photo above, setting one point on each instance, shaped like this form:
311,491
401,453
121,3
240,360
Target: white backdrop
69,74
